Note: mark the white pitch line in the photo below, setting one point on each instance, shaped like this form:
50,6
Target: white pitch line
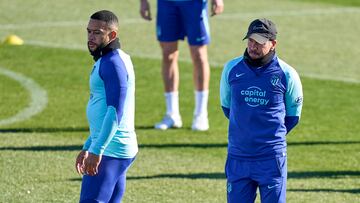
224,16
84,48
33,25
56,45
289,13
212,63
329,77
38,97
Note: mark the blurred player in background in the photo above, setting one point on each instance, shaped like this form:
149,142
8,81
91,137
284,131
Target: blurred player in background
111,146
262,97
175,20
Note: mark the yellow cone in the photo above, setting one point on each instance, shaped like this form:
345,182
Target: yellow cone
13,40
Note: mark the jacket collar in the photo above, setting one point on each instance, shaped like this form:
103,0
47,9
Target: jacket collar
255,63
102,51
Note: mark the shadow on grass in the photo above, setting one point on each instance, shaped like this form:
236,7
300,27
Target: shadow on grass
143,127
311,143
79,147
222,145
322,174
45,148
68,129
44,130
222,176
291,175
181,176
217,175
54,130
184,145
173,176
159,146
353,191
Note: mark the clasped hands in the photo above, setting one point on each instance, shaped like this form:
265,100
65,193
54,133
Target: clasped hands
87,163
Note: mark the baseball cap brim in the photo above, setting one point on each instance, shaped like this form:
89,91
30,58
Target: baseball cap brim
258,38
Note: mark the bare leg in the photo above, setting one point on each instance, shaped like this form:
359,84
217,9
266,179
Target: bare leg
170,75
170,70
201,67
201,73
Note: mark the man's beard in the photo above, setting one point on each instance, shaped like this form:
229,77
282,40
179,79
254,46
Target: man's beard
258,61
97,50
103,48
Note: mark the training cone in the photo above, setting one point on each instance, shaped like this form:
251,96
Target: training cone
13,40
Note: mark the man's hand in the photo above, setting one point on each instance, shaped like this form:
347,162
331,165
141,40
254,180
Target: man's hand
217,7
79,163
145,9
91,164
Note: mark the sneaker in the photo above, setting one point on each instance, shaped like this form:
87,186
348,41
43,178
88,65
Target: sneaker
169,122
200,123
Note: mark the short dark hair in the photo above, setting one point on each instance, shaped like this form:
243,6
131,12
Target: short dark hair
106,16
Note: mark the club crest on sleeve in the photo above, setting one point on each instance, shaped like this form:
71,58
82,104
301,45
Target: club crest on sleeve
298,100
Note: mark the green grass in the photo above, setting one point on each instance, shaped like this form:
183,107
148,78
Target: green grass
338,2
10,98
37,155
308,38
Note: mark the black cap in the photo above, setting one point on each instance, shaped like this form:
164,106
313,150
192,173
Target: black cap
261,30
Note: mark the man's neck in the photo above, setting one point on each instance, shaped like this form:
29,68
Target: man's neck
258,63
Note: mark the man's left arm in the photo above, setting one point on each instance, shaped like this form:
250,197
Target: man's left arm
293,100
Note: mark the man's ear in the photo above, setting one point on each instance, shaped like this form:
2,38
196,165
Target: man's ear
112,35
274,42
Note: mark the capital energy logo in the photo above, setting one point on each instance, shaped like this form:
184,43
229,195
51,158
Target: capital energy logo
254,96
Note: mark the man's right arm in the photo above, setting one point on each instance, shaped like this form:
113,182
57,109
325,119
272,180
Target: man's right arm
225,94
79,163
87,143
217,7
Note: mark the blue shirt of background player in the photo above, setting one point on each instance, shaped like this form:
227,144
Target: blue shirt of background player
262,104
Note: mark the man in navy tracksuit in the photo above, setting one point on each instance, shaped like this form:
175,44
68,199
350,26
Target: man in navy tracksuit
262,97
